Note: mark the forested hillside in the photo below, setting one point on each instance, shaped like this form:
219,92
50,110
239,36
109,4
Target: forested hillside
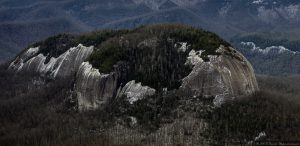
41,115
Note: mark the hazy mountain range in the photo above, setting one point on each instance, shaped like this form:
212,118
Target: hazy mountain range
24,22
271,53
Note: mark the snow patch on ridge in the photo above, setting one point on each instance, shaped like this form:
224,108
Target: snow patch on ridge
273,49
258,1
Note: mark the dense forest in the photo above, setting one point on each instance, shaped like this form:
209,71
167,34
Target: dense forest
39,112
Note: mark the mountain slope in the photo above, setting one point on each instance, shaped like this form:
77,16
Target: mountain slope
160,57
152,85
226,18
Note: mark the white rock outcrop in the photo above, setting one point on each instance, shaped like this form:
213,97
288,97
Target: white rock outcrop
194,58
135,91
182,46
224,77
64,65
93,88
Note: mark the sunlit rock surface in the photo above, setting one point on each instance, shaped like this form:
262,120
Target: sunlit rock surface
92,88
64,65
135,91
224,77
194,58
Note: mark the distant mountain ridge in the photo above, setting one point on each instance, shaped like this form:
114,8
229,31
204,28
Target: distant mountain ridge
19,18
268,50
271,53
289,40
272,60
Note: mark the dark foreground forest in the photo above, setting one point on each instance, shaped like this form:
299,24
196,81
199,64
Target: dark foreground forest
34,113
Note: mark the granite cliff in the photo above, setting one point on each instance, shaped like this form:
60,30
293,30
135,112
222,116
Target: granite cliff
140,63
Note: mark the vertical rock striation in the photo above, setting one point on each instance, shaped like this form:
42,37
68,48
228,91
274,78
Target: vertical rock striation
65,65
162,58
135,91
92,88
224,77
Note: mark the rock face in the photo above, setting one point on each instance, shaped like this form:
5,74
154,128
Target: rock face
94,89
64,65
224,77
135,91
144,62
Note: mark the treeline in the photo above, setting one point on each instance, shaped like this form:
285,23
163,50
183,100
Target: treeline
274,110
35,112
264,111
147,53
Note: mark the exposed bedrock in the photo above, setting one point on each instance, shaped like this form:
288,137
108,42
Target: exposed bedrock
93,88
142,62
135,91
65,65
224,77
